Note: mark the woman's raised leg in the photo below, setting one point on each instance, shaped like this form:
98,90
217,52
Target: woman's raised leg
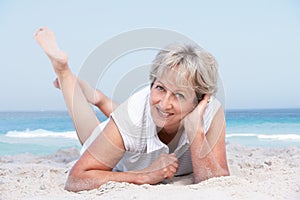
83,116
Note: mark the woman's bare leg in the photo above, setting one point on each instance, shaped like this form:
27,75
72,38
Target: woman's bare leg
83,116
95,97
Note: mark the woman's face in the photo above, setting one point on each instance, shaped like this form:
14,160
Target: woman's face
169,102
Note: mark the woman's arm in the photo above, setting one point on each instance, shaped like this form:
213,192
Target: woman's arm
94,167
208,152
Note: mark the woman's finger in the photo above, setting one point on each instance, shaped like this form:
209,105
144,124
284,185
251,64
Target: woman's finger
173,169
170,172
203,103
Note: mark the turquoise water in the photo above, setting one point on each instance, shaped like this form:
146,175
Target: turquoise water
46,132
270,127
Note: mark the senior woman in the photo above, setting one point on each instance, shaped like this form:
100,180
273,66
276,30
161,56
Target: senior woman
174,126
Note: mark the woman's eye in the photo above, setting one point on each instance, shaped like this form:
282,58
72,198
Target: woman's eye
180,96
159,87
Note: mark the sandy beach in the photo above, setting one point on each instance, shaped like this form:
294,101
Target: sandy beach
256,173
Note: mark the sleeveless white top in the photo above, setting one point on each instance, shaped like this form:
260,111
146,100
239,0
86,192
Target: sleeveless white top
140,138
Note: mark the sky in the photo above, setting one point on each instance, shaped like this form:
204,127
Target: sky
255,42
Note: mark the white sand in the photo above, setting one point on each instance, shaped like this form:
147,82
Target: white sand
256,173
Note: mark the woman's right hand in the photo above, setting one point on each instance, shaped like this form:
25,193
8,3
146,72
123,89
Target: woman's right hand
165,166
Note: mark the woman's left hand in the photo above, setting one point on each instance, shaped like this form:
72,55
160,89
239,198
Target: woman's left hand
193,121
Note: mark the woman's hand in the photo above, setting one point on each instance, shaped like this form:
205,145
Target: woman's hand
193,121
165,166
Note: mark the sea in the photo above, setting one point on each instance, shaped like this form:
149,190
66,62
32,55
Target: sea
45,132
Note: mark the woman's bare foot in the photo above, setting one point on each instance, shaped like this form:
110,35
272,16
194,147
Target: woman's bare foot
46,39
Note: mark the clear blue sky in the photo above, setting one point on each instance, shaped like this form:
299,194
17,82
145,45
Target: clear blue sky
256,43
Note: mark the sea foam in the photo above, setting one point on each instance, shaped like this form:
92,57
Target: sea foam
41,133
294,137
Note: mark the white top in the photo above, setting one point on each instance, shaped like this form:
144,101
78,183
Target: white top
140,138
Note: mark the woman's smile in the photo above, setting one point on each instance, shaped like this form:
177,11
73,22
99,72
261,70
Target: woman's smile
163,114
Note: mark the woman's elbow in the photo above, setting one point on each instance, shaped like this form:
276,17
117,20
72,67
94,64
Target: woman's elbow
72,182
69,186
225,172
210,174
222,172
76,181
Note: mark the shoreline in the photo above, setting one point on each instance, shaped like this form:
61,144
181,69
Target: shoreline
256,173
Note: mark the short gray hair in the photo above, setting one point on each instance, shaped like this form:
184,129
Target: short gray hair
196,67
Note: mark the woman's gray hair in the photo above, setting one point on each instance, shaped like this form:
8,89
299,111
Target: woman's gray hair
195,67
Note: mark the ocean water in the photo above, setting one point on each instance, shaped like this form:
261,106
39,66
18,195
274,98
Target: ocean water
46,132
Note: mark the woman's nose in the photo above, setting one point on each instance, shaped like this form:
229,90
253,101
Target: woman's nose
166,101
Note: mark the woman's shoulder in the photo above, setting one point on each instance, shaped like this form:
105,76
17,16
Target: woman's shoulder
134,107
131,118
